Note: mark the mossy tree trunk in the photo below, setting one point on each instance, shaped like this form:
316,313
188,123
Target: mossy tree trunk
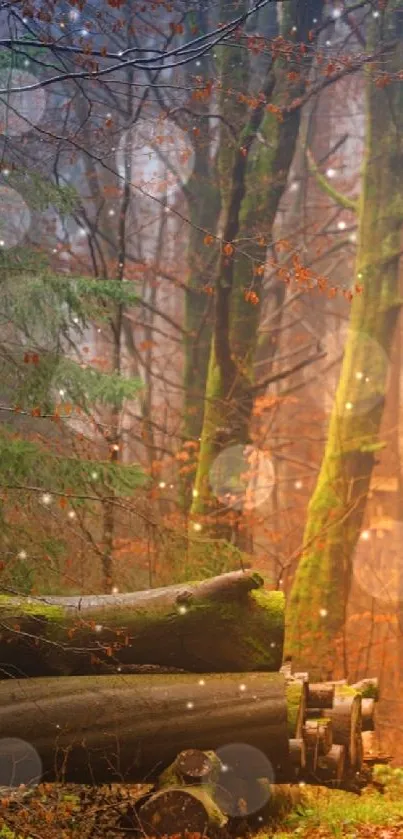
317,605
203,195
254,175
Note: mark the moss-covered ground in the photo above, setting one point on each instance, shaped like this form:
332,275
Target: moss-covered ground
72,812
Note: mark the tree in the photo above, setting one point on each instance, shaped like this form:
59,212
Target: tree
317,606
253,174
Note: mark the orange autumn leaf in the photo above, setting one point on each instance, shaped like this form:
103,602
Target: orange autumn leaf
228,249
208,239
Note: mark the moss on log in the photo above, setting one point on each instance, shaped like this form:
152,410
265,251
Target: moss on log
368,688
226,623
106,728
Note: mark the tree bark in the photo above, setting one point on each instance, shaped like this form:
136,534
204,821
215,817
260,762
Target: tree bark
225,623
318,601
110,728
254,177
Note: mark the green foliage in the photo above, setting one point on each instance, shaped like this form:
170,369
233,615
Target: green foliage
23,462
337,814
85,385
48,386
40,192
15,59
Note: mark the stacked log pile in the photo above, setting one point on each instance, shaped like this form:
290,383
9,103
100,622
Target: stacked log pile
93,713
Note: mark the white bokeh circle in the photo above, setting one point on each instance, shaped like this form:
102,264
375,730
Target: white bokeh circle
244,780
242,477
19,763
369,364
378,561
159,156
20,111
15,218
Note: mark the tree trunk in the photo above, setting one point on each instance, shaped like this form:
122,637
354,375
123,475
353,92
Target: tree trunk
317,605
226,623
106,728
255,178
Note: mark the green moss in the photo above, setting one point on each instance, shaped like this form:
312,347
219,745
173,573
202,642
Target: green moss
13,607
337,813
345,691
294,693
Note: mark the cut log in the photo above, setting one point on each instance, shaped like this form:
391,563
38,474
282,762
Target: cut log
194,766
113,727
372,752
330,767
180,811
321,695
297,692
237,788
298,754
346,723
191,766
226,623
368,714
318,736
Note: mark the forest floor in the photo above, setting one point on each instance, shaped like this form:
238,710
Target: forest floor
56,811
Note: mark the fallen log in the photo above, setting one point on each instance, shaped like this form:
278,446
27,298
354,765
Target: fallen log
105,728
226,623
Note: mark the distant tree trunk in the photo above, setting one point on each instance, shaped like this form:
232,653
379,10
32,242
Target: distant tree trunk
317,605
254,175
204,208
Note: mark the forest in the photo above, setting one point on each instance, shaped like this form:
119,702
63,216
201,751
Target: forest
201,419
